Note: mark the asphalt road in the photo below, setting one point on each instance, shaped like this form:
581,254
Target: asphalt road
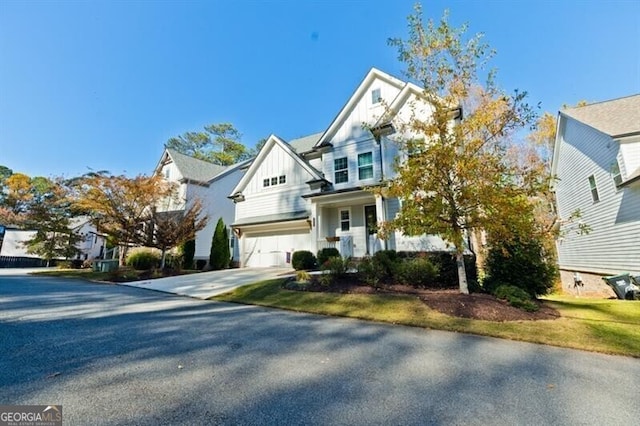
126,356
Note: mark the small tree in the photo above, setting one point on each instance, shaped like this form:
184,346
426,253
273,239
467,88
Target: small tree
120,205
170,229
220,255
455,179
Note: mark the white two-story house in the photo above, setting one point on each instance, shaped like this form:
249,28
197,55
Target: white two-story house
208,182
597,165
312,192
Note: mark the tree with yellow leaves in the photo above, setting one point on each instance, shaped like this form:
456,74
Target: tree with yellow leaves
455,179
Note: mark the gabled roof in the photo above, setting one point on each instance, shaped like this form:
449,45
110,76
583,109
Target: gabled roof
305,143
372,75
272,141
192,169
616,118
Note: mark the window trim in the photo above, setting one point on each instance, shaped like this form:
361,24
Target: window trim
375,100
341,221
344,171
616,174
363,167
266,182
593,186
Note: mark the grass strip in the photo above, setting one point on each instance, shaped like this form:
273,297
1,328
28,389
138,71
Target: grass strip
607,326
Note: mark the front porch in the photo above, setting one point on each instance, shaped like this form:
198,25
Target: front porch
348,221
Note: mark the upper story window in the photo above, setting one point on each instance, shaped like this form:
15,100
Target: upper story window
345,223
276,180
167,172
615,174
341,170
376,98
594,189
365,165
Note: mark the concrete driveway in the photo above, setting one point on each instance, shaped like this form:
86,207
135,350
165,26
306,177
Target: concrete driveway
207,284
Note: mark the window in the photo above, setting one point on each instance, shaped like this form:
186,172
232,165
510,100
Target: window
615,174
167,172
365,166
594,189
344,220
276,180
341,171
375,96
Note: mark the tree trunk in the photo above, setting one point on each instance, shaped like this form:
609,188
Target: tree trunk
163,258
462,273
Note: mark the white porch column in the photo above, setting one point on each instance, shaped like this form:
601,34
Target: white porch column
381,216
315,226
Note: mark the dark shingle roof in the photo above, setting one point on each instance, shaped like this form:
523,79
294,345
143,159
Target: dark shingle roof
617,117
195,169
305,143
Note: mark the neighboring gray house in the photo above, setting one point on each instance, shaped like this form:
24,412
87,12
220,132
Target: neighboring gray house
597,163
211,183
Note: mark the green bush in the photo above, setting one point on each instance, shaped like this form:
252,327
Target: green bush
388,261
325,253
337,266
448,268
418,272
303,259
219,255
143,260
369,272
188,250
521,264
516,297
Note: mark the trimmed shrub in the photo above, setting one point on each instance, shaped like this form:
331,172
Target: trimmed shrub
448,268
325,253
303,259
521,264
220,256
337,266
369,272
143,259
388,262
188,250
516,297
418,272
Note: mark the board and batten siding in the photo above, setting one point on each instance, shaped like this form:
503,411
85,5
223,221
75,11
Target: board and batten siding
613,244
365,111
280,198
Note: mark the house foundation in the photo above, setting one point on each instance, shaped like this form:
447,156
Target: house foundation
585,284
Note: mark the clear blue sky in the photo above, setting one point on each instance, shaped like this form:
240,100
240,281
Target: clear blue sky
103,85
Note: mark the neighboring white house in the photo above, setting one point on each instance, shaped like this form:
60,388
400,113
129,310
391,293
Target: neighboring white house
597,163
92,245
211,183
312,192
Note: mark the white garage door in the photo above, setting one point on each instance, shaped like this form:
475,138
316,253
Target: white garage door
271,250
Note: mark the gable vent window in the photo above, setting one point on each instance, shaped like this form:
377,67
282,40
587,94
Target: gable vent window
594,189
276,180
365,166
341,171
376,98
615,174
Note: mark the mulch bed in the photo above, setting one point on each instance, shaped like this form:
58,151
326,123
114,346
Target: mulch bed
447,301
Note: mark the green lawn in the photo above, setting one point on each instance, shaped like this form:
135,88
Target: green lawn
608,326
